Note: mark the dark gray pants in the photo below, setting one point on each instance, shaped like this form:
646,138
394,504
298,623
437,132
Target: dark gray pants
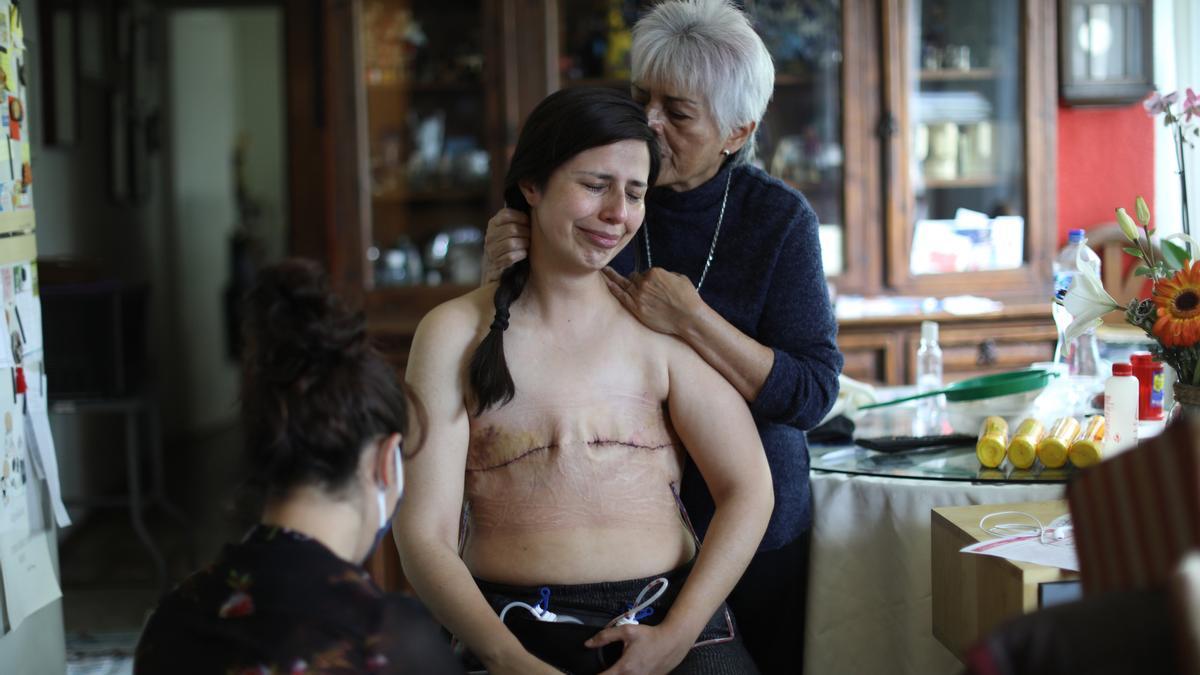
719,652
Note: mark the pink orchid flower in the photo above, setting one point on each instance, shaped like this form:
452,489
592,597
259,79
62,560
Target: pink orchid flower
1191,105
1157,103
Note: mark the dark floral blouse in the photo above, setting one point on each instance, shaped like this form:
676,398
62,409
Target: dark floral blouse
280,602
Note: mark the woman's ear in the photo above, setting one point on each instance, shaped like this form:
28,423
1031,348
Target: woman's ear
532,194
738,137
389,468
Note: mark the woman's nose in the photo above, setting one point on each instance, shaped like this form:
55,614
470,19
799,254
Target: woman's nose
614,209
655,118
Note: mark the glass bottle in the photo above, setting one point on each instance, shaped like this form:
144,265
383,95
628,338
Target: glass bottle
929,378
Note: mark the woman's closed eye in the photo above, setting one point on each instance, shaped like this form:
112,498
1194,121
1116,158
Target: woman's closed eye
600,188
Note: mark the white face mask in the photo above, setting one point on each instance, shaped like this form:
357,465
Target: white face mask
381,494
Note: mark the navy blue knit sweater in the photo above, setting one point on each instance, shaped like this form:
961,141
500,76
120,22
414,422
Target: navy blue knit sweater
766,279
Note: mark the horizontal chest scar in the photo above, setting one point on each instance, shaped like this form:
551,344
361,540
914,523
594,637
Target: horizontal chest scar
595,443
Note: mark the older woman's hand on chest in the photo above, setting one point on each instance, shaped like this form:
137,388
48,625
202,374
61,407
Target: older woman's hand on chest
663,301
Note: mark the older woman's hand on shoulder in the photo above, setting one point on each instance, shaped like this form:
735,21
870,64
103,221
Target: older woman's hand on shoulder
506,242
663,301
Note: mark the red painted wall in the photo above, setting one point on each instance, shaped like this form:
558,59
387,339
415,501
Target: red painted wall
1105,160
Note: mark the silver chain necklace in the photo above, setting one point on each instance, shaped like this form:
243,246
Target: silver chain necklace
711,247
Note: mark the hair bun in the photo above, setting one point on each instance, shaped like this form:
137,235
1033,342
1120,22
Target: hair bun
295,326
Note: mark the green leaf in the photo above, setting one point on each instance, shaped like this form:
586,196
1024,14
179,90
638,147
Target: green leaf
1137,253
1174,255
1142,271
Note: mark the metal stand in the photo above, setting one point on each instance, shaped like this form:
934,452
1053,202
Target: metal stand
141,431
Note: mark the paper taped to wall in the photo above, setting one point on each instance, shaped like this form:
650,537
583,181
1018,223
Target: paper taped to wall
41,442
29,580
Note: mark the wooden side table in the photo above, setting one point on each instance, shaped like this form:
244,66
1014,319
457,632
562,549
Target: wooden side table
972,594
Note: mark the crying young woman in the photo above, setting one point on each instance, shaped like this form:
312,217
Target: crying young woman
542,524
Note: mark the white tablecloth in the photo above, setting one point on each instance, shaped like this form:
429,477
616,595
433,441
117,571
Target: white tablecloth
869,589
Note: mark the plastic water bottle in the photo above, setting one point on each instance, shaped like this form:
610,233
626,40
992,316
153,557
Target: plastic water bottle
1082,355
929,378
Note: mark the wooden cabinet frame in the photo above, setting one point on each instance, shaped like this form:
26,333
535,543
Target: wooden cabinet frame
862,148
1038,67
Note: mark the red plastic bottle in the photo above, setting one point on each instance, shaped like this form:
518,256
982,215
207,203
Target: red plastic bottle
1149,374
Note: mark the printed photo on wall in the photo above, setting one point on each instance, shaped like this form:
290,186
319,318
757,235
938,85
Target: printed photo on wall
16,114
16,27
14,463
6,197
27,310
24,182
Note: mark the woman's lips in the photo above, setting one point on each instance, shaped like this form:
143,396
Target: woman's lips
601,239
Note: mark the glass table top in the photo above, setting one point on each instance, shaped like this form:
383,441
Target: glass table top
945,464
954,464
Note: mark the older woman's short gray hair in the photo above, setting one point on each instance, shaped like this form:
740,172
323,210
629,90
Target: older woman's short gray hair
706,48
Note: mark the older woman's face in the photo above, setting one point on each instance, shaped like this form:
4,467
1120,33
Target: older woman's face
690,141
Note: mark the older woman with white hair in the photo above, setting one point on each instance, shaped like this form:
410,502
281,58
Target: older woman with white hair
731,264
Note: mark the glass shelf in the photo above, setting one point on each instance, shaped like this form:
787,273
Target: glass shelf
958,75
967,167
429,153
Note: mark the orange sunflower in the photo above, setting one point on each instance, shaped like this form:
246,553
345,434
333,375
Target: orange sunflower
1178,301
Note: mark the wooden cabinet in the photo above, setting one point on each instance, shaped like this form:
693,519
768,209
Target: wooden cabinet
923,133
883,350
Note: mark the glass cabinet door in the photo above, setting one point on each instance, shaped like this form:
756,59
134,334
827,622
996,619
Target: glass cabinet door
963,181
429,166
800,138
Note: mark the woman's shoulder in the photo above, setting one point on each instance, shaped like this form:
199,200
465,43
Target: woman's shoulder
460,318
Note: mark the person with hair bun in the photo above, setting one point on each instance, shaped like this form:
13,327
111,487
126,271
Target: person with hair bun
542,525
324,417
728,260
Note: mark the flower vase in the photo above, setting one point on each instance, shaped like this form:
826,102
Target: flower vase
1187,401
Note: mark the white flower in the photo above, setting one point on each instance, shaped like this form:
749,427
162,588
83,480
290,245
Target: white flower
1087,301
1128,228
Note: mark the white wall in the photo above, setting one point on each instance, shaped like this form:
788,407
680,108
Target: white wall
1176,67
225,79
258,39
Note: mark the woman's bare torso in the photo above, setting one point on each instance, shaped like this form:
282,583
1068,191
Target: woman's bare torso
573,481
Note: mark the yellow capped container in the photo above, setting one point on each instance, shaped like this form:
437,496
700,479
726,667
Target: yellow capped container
1088,449
1052,450
1023,448
993,442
